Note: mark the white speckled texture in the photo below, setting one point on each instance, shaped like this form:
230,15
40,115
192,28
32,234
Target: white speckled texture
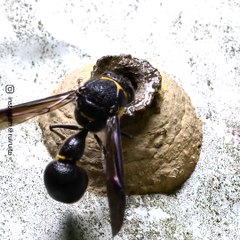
197,42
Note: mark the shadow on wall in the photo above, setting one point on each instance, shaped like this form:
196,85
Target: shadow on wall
76,228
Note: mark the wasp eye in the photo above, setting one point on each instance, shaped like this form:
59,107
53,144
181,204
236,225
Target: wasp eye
65,181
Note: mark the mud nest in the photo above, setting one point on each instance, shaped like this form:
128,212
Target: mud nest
167,134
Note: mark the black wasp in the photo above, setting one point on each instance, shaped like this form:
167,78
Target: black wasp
100,103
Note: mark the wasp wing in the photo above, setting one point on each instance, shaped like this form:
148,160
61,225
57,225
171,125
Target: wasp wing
23,112
114,173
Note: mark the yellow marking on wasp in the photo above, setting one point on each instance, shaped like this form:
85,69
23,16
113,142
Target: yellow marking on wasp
106,78
120,112
119,87
61,157
87,117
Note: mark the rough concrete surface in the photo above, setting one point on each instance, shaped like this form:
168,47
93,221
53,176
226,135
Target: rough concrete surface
196,42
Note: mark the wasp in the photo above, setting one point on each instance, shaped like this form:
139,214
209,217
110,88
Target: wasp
99,105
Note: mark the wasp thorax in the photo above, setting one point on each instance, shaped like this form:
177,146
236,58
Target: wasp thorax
102,97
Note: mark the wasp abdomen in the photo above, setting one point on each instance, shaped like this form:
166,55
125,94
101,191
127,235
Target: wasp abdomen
65,181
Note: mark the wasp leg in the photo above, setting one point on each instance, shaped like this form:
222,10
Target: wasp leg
64,126
100,143
127,135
